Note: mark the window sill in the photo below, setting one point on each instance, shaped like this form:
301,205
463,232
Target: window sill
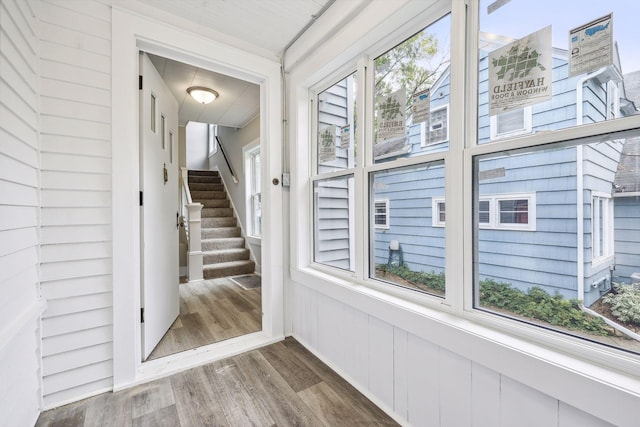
257,241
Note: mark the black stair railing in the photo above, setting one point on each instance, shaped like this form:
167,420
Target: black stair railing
226,159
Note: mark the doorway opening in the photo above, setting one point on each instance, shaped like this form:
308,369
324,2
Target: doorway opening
227,302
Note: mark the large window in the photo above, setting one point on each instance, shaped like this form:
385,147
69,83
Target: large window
536,221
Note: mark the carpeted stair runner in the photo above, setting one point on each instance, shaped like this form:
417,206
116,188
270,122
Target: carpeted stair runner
223,247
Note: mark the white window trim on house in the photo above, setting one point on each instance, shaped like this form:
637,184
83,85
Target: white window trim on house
384,214
494,213
435,212
525,129
212,131
249,175
424,131
607,229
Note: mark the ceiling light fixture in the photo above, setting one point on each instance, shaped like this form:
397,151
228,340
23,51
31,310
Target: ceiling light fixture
202,94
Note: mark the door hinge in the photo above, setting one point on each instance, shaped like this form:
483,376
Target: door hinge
141,198
140,82
141,314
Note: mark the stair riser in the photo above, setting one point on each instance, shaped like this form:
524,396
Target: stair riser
212,272
217,212
226,221
225,256
214,203
219,244
223,232
207,195
202,173
205,180
206,187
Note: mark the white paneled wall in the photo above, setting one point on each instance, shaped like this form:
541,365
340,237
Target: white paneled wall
19,168
420,382
76,253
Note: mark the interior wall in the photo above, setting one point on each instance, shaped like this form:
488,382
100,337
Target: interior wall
233,140
20,306
197,146
76,235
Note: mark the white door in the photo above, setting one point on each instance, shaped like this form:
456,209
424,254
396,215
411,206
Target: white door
159,187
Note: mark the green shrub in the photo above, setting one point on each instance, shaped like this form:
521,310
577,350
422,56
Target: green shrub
433,281
539,305
625,303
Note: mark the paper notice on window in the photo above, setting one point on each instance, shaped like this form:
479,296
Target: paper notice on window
327,144
520,73
391,116
591,46
345,136
421,106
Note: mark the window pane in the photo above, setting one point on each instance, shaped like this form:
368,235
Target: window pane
336,126
538,273
412,87
333,225
574,66
410,252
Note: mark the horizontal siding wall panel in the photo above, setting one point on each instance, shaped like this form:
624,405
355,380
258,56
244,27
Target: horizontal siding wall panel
74,340
73,163
76,287
76,358
19,169
75,181
19,150
76,234
76,264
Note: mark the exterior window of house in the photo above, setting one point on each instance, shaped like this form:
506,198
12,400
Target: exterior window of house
438,125
511,123
484,212
381,214
439,213
255,192
212,132
602,227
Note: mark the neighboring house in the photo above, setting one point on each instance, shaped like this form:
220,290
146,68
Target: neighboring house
528,220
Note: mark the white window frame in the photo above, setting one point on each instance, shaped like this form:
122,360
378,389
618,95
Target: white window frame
385,214
607,228
424,131
435,212
613,100
494,213
212,132
553,347
248,151
526,129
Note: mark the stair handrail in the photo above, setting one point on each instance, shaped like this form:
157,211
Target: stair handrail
226,159
192,218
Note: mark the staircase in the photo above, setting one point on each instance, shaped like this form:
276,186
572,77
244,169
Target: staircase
223,247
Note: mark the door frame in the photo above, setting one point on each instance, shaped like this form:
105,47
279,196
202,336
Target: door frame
132,32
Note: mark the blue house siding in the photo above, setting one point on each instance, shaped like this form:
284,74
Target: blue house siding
410,192
333,222
627,237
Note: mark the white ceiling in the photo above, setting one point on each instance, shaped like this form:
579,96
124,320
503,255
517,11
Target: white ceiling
269,25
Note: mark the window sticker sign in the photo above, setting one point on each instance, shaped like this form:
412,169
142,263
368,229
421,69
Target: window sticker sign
345,136
591,46
391,116
421,106
327,144
520,73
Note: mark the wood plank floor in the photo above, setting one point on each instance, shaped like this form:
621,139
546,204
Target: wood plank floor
211,311
279,385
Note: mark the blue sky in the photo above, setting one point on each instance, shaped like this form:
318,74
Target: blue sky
517,18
